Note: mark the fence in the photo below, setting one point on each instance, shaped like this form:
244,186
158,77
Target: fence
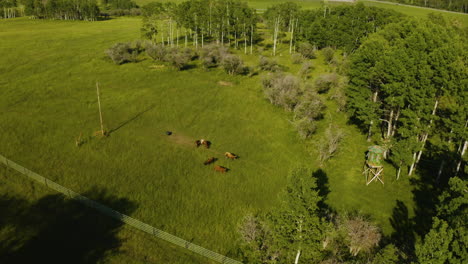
119,216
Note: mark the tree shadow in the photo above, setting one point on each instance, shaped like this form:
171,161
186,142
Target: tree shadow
131,119
56,229
403,236
323,190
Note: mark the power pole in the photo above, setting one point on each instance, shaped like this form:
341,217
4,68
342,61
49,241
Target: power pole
99,104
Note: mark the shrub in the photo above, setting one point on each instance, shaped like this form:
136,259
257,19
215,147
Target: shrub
311,107
305,127
328,146
232,64
328,54
157,51
297,58
282,90
121,53
267,64
307,50
178,59
325,82
211,55
339,95
305,70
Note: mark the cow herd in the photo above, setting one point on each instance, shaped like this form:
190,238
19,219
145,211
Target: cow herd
207,144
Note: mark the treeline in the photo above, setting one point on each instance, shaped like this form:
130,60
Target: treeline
62,9
220,21
67,9
452,5
10,9
342,27
408,90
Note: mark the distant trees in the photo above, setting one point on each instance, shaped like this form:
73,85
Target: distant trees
10,9
200,21
453,5
343,26
62,9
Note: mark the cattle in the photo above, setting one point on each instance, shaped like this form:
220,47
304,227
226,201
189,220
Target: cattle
220,169
197,143
230,155
210,160
205,143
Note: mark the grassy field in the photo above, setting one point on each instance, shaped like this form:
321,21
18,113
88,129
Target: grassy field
48,71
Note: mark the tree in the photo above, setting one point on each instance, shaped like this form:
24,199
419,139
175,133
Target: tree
297,226
447,241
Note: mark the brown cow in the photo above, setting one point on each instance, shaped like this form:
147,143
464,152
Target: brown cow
220,169
205,143
197,143
210,160
231,155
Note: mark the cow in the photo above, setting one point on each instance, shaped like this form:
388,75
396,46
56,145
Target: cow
197,143
210,160
231,155
220,169
205,143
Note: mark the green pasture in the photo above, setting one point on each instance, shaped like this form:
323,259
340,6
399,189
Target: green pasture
48,73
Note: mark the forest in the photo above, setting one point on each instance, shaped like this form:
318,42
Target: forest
402,82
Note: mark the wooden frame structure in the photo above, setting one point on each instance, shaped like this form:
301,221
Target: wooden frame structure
373,168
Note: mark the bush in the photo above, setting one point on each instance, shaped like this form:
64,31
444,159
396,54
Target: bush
310,107
339,95
306,50
211,55
282,90
157,51
267,64
232,64
325,82
305,70
329,145
121,53
297,58
178,59
328,54
305,127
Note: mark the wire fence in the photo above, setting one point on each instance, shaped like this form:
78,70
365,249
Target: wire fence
119,216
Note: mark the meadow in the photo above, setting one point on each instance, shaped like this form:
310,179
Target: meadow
48,73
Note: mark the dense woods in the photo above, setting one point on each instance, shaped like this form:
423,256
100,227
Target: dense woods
452,5
62,9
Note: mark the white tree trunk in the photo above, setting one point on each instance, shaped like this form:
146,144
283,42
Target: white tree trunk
297,256
412,164
390,125
461,157
251,39
425,136
292,36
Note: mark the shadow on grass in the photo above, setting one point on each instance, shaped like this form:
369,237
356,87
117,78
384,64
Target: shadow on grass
55,229
131,119
323,190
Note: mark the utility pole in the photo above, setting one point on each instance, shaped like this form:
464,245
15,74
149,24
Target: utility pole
99,104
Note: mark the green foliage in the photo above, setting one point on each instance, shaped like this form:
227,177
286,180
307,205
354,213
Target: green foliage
268,64
283,90
121,53
63,9
232,64
326,81
350,23
296,223
447,241
307,50
387,255
328,54
212,55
